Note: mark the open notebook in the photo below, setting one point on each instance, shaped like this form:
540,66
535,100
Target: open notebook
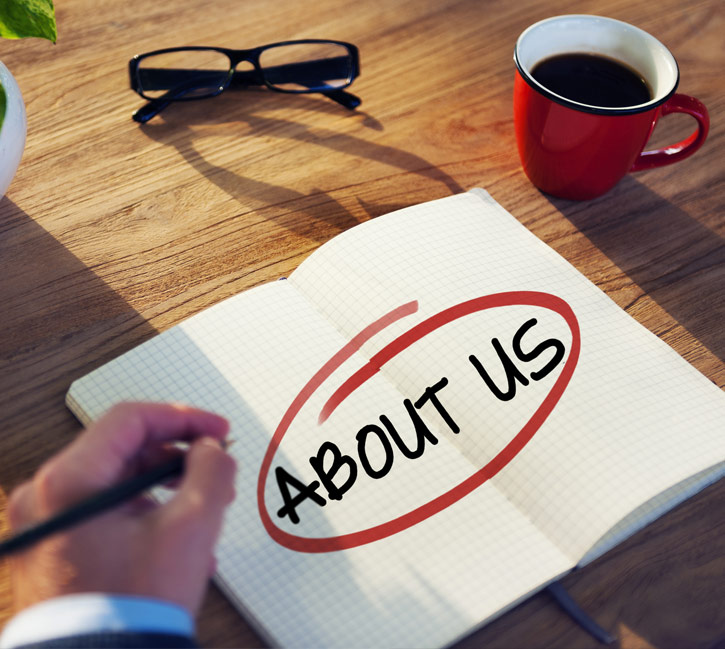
435,416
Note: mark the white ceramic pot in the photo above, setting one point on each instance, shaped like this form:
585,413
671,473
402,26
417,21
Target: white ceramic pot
12,129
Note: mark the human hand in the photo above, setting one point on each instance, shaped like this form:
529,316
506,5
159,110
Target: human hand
139,548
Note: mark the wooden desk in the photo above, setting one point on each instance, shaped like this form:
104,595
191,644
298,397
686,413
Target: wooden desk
111,232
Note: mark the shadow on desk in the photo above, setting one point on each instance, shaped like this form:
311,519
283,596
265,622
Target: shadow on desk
60,320
242,117
673,257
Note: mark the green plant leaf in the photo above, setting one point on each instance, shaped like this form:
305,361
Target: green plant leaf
23,18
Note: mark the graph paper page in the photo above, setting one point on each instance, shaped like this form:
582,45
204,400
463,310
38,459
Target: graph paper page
633,420
443,416
427,584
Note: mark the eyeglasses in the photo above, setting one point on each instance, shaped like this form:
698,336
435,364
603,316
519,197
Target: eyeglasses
188,73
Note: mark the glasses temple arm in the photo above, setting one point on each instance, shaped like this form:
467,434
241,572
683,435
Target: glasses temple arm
294,72
344,98
290,72
149,109
154,106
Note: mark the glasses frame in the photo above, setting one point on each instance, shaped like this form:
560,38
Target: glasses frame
246,78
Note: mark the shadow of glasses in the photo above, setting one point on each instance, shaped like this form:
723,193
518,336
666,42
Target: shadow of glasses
185,125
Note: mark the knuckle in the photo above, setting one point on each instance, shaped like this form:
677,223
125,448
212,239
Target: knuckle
19,505
194,505
48,484
46,479
190,512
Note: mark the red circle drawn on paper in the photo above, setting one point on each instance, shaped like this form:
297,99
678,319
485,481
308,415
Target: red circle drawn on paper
405,340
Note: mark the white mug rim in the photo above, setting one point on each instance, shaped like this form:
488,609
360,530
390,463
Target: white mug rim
659,98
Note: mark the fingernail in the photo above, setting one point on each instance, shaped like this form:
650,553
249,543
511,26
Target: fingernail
211,441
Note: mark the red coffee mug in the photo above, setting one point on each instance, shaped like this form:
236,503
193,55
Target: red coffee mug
578,151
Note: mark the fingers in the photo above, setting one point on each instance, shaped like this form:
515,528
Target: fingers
102,455
160,550
187,527
206,488
127,427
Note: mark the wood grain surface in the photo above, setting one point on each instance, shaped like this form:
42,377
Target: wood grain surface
112,232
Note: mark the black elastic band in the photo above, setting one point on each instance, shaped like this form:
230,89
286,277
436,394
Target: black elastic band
563,599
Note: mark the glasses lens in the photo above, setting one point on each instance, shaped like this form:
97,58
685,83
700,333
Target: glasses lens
307,67
194,73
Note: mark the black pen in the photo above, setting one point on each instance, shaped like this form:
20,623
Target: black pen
96,504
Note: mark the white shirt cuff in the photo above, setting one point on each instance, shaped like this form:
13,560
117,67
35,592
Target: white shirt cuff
86,613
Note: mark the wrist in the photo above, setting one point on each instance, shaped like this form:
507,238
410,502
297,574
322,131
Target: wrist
82,614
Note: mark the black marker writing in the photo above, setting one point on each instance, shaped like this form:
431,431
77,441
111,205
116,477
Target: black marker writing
337,472
512,372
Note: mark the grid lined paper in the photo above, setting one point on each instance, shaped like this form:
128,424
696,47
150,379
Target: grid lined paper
636,430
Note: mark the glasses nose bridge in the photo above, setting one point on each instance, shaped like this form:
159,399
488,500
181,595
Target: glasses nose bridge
238,56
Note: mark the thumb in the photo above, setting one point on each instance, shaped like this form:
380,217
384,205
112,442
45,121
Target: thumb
205,490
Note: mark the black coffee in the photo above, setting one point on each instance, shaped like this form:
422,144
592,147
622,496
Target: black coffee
592,79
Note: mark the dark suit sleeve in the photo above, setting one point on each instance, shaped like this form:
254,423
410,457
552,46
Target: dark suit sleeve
121,640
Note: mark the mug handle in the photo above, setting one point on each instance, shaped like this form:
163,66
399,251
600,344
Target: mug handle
685,148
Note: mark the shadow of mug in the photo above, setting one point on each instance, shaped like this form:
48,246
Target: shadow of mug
670,253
